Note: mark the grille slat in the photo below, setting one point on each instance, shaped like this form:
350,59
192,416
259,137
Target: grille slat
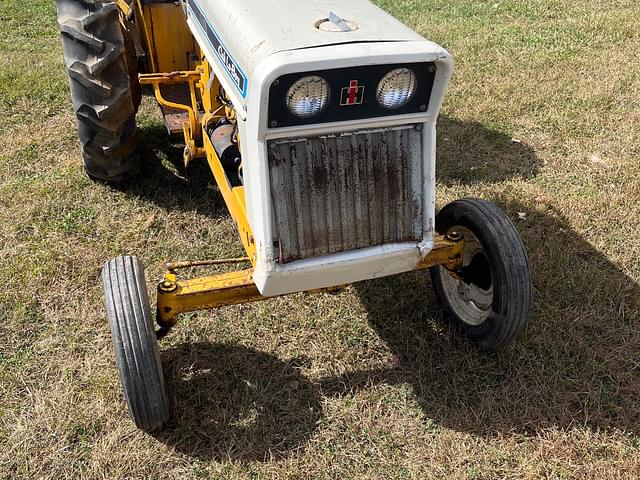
360,191
375,211
335,193
332,212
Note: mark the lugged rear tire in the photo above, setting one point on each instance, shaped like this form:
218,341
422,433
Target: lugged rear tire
135,343
94,54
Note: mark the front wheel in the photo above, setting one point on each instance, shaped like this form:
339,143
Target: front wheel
135,343
490,297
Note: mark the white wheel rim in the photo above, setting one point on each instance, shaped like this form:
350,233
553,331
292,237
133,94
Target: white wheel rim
470,302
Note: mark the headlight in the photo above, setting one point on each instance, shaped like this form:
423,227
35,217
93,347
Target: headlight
308,96
396,88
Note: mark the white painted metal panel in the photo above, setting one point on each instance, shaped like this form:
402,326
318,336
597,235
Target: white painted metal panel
238,35
254,29
272,278
250,44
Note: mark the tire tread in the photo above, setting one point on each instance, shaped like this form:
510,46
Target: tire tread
510,317
135,343
94,50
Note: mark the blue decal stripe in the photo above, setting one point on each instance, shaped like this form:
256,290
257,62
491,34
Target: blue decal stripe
232,68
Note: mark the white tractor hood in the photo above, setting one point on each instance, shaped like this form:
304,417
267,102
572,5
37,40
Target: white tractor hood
245,32
255,29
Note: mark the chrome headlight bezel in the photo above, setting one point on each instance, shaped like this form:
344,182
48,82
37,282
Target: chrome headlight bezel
308,97
396,88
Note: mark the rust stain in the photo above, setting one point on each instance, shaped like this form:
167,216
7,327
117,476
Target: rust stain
342,192
319,177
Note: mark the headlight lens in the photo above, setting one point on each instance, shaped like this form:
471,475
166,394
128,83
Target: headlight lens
308,96
396,88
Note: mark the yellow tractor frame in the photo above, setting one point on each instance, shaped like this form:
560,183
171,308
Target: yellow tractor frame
168,66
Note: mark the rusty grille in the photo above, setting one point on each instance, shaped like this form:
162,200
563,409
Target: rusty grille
334,193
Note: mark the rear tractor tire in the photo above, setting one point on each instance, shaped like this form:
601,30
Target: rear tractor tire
135,343
490,298
94,55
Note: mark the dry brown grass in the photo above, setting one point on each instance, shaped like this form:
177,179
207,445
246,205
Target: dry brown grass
370,383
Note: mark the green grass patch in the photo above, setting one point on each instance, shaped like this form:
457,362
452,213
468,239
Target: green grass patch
541,116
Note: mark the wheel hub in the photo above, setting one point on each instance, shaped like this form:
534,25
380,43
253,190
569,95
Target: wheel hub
471,290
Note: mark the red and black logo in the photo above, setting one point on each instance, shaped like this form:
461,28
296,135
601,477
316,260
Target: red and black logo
353,94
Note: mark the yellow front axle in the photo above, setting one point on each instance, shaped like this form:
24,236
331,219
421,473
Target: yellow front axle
180,296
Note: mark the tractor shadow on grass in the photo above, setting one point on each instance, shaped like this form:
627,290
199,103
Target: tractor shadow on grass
236,403
164,181
578,365
469,152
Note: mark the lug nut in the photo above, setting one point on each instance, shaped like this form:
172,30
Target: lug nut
168,286
453,236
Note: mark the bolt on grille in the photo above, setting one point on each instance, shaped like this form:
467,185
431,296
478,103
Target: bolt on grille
334,193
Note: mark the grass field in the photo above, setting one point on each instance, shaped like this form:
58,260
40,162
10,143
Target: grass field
542,117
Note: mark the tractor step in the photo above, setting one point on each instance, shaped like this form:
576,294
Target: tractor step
174,119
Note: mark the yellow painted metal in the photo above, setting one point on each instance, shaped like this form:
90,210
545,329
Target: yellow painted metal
234,198
173,78
191,129
195,133
447,252
124,7
176,297
173,266
171,46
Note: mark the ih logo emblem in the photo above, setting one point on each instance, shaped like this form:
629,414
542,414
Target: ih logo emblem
353,94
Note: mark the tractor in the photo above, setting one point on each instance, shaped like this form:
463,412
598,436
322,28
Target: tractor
318,122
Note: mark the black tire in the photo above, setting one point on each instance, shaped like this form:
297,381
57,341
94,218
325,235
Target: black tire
129,32
496,269
94,54
135,342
